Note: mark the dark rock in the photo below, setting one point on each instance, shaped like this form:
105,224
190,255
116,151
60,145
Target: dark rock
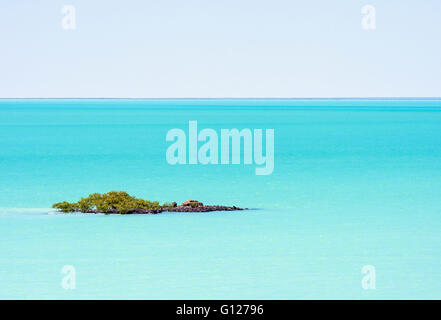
204,208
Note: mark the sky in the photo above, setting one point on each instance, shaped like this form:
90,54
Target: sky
219,48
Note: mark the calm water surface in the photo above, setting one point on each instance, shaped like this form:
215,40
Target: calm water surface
356,182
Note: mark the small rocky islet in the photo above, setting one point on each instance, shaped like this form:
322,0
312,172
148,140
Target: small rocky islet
120,202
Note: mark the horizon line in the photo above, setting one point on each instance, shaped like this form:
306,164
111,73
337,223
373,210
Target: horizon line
221,98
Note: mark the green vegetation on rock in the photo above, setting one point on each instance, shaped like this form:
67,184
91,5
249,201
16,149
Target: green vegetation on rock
120,202
110,202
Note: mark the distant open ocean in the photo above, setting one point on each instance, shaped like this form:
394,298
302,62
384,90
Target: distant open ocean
355,183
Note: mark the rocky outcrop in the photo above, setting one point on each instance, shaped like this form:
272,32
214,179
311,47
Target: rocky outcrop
192,203
120,202
169,209
204,208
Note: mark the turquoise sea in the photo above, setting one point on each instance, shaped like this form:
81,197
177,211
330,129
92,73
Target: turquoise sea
355,183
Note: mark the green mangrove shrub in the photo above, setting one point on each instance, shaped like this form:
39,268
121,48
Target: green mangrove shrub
110,202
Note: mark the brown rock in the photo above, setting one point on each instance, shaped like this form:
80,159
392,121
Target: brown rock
192,203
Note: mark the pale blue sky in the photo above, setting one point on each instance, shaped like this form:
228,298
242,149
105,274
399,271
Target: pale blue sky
220,48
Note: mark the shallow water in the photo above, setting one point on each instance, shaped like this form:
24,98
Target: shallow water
355,183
